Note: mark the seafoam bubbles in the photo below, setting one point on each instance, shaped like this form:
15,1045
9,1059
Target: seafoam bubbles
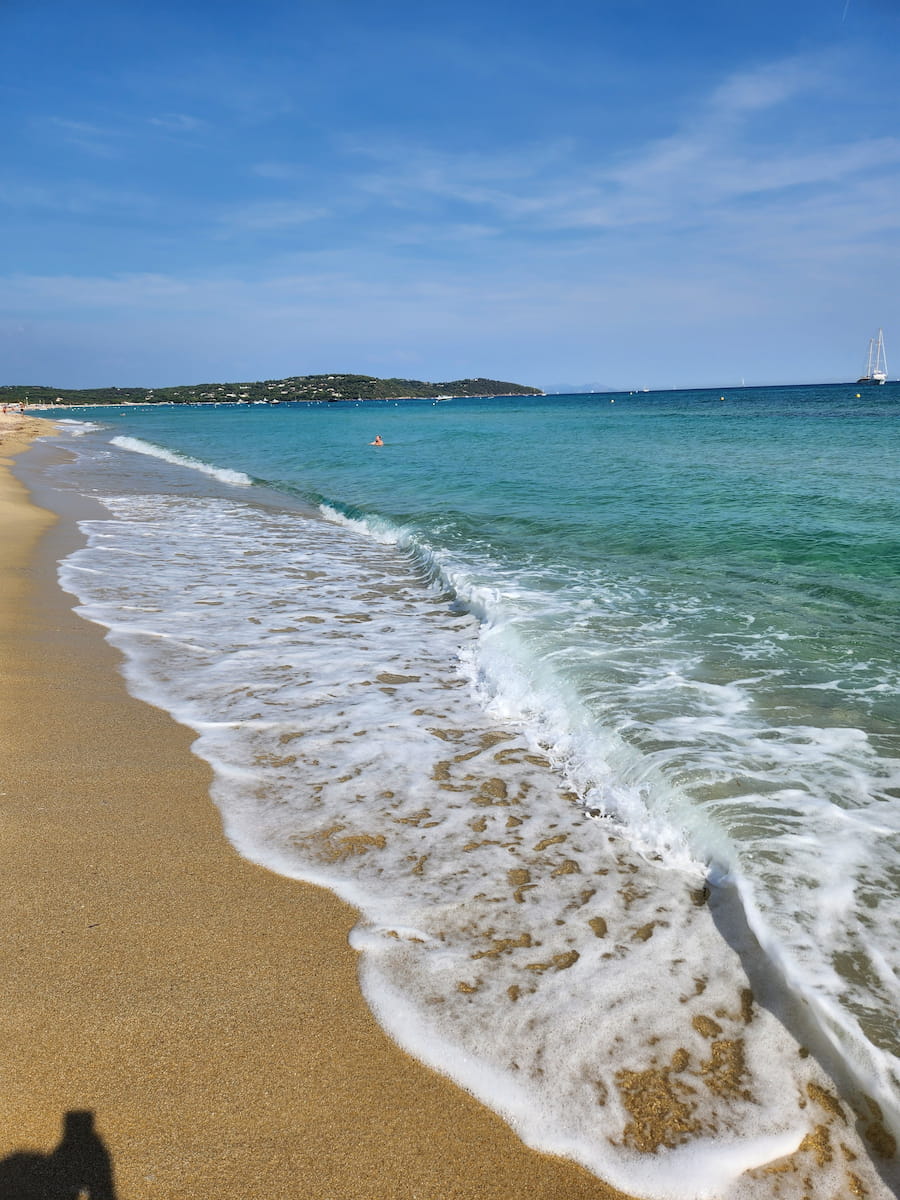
376,528
223,474
76,428
508,936
678,717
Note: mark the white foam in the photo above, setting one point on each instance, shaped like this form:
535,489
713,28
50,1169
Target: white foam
785,796
225,474
508,938
76,428
378,529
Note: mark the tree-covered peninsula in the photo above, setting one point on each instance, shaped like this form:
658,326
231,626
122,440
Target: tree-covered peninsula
324,388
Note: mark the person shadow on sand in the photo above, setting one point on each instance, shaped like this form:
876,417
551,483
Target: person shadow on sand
80,1167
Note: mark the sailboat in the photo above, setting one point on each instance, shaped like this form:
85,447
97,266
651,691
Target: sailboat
876,363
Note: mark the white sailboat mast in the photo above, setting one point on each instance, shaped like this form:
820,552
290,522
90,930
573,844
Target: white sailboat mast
880,356
876,363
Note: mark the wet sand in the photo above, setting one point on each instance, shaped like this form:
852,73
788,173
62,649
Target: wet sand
205,1010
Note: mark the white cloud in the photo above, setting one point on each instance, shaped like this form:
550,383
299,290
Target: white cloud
271,215
748,217
521,321
723,153
767,86
98,140
82,199
277,170
178,123
117,292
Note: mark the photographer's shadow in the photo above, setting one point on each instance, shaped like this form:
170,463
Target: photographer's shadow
80,1168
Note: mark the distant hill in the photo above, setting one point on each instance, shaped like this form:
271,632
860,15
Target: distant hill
327,388
577,389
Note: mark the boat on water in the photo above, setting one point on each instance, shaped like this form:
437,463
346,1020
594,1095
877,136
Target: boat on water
876,363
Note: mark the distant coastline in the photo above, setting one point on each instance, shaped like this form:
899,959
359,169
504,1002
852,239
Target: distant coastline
308,388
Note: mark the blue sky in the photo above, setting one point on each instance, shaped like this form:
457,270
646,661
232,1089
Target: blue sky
625,193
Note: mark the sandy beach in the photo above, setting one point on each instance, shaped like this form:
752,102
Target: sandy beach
203,1009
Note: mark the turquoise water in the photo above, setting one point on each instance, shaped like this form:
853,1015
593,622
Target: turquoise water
685,604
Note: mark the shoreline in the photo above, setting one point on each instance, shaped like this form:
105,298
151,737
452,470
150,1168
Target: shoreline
204,1009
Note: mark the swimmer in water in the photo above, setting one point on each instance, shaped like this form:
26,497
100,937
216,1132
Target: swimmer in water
378,440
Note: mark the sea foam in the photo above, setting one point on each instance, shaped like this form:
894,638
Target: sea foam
76,428
511,934
225,474
710,774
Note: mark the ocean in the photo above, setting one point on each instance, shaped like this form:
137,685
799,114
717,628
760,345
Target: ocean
590,705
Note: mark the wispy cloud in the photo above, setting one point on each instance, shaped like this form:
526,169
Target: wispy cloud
721,155
178,123
277,170
98,140
132,292
509,182
739,209
271,215
113,141
765,86
76,198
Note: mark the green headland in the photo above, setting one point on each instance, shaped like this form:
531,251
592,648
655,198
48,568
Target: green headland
325,388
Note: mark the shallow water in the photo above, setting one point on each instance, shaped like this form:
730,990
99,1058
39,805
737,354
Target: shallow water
517,684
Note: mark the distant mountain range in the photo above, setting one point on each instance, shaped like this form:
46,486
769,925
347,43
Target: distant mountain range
576,389
327,388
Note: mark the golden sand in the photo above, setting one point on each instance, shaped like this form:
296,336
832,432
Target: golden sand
205,1010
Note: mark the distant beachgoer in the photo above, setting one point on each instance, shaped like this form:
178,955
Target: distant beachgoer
378,440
